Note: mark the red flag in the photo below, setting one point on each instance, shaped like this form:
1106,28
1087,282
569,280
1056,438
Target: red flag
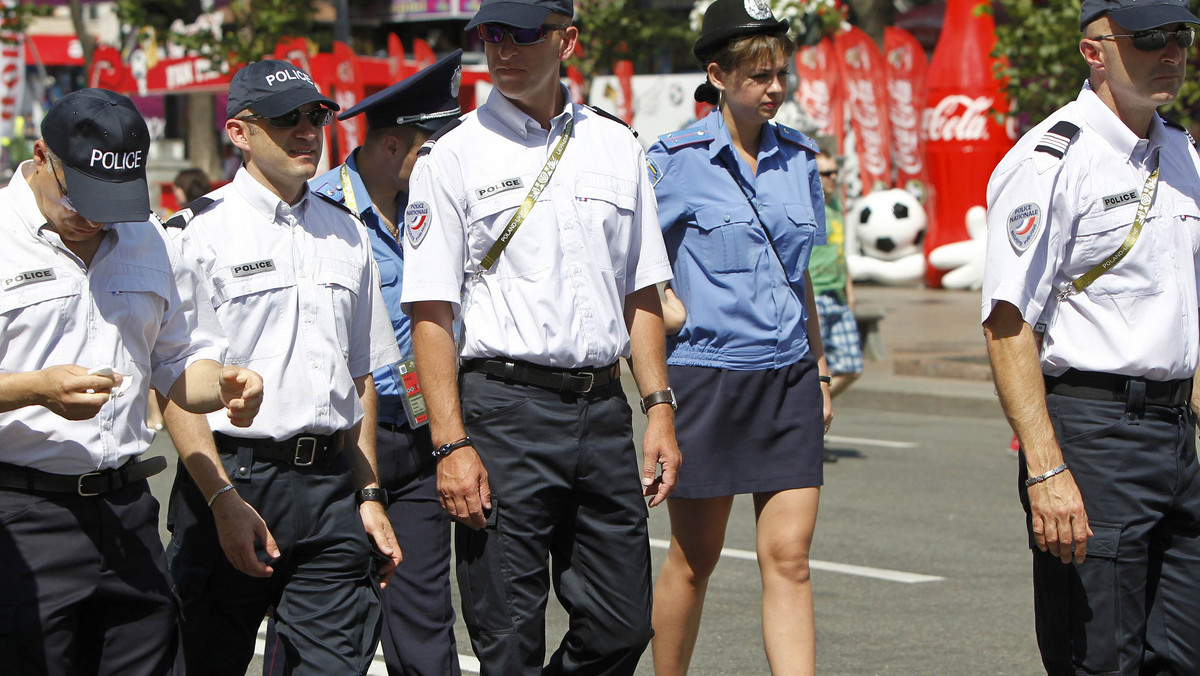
861,66
347,91
423,54
575,80
624,72
395,51
820,94
906,67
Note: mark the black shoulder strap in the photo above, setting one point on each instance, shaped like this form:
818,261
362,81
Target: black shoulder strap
604,113
1056,140
1176,125
188,212
433,138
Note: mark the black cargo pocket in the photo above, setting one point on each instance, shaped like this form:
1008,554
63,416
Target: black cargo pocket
1094,603
483,574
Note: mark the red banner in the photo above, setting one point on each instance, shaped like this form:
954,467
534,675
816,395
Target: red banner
423,54
623,69
862,70
820,94
347,91
906,68
395,57
575,83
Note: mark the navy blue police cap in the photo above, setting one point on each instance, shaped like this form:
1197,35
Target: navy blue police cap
520,13
427,99
273,88
1137,15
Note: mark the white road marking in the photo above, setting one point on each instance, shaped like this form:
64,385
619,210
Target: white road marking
844,568
882,443
467,663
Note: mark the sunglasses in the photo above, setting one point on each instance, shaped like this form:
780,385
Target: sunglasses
494,33
65,200
828,173
1155,39
319,117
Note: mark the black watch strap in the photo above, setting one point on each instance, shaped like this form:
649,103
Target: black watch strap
666,396
446,449
371,495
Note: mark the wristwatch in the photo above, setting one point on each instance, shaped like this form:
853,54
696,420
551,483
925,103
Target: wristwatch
666,396
371,495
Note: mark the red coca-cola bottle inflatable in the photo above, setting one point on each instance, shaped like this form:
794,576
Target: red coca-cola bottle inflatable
966,140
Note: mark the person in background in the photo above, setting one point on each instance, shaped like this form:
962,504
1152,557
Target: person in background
190,184
740,204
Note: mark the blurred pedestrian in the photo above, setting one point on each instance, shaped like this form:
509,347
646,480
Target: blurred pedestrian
1090,315
190,184
739,200
549,471
284,515
96,307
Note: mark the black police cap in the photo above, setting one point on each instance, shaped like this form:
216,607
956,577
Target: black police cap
427,99
520,13
273,88
1137,15
727,20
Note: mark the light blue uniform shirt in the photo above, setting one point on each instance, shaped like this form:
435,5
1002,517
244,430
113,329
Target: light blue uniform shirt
389,254
743,313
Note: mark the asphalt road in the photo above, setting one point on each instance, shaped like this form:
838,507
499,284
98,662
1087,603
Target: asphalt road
928,499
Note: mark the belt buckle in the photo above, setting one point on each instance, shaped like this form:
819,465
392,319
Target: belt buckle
591,380
79,485
301,443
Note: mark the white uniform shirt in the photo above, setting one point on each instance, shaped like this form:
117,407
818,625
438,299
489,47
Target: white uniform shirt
556,295
134,309
1051,220
298,293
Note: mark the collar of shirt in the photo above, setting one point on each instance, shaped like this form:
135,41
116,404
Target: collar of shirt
715,122
1100,117
24,202
267,203
515,119
362,199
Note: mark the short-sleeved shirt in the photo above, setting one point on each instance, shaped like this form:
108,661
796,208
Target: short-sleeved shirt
1062,201
556,295
389,256
134,308
745,304
297,291
827,264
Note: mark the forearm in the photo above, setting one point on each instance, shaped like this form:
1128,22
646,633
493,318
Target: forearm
193,440
360,442
18,390
1017,372
813,327
648,357
198,389
437,367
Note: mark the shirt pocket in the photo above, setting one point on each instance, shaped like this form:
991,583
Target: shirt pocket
721,242
338,282
528,252
801,237
605,206
251,310
1100,236
59,292
136,301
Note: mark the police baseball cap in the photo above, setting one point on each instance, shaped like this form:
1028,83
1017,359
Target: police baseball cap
727,20
1137,15
102,142
519,13
272,88
427,99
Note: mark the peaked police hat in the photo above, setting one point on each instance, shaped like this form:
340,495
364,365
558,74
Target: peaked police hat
427,99
726,20
272,88
520,13
1137,15
102,142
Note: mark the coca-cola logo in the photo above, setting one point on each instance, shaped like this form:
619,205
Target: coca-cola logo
813,96
858,58
901,59
866,115
959,118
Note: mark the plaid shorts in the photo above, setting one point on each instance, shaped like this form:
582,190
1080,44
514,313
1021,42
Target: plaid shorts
839,334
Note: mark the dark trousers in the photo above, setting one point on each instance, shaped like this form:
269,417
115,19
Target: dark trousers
324,598
567,508
83,586
418,616
1133,606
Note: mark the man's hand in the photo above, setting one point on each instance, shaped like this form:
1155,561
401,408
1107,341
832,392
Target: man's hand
238,527
1060,523
68,391
660,448
241,394
379,530
673,312
463,487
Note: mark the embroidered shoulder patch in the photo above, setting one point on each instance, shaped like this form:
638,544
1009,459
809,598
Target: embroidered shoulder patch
1024,225
655,173
416,222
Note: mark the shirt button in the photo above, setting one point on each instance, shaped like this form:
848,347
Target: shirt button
316,366
727,218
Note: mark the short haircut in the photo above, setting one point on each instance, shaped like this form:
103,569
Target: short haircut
193,182
751,50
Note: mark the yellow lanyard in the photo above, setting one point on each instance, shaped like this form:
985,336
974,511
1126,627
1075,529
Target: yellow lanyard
539,185
348,190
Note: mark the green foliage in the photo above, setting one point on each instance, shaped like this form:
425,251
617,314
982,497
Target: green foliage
18,17
611,30
1045,69
252,28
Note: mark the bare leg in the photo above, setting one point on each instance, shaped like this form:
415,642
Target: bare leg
697,535
785,530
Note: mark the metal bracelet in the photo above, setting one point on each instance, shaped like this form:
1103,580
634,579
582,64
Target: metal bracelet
1042,477
224,489
445,449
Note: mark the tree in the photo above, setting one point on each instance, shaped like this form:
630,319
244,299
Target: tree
872,16
610,30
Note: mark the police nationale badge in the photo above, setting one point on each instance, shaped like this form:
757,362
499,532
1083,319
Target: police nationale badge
1024,224
758,9
416,222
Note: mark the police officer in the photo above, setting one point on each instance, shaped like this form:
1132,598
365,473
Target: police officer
94,306
1090,315
534,221
418,619
293,282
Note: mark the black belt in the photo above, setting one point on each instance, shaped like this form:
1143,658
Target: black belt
578,381
301,450
392,427
1112,387
92,483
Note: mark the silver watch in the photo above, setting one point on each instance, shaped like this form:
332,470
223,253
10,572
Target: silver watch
666,396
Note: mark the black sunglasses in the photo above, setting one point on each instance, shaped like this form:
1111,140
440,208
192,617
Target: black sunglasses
1155,39
494,33
319,117
829,172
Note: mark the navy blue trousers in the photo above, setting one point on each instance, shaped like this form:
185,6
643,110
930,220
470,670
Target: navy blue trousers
1133,606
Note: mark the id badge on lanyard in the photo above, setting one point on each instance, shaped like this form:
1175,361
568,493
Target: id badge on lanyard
405,373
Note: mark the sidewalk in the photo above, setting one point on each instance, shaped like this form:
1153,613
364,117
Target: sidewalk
936,360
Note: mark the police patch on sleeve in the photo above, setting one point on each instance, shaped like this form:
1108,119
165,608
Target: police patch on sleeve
655,172
1024,225
416,222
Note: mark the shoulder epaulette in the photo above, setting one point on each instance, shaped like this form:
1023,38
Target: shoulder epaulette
686,137
335,202
1056,140
332,191
428,144
604,113
1175,125
188,212
789,134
